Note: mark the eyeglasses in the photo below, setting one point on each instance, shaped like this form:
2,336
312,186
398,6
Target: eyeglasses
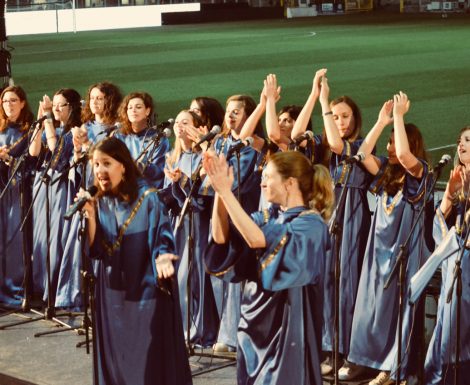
60,106
11,101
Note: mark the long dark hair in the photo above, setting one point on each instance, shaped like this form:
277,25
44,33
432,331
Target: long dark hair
112,100
394,174
356,132
123,118
26,115
212,112
74,101
116,149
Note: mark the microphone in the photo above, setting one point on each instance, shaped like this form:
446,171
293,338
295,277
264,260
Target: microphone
39,121
210,135
163,125
109,130
78,205
446,158
359,157
166,132
83,103
306,135
236,148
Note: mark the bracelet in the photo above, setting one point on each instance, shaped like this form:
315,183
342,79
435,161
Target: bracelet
328,113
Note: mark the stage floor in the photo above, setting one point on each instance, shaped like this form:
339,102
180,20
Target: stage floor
54,359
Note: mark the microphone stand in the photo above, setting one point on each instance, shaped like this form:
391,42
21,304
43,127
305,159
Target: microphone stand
86,321
457,283
27,278
26,238
400,267
88,295
188,209
155,141
336,230
49,312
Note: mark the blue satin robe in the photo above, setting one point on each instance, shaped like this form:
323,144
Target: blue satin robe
204,323
279,334
138,335
228,295
11,239
441,351
354,219
154,161
69,287
375,321
61,196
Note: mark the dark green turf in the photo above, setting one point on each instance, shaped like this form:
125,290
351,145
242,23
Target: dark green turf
369,57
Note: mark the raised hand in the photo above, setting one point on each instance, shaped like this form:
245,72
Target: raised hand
271,89
324,90
401,104
219,173
385,114
316,85
174,174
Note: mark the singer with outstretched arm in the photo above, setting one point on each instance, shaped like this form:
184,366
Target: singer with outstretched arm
400,187
452,211
139,336
280,254
340,140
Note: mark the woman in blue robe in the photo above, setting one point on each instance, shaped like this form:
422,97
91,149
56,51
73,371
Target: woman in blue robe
400,186
341,139
147,146
280,255
99,116
209,110
241,119
138,336
53,143
100,113
441,355
183,163
15,120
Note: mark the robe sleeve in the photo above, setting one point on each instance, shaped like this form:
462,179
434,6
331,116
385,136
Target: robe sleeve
154,170
233,261
295,253
415,189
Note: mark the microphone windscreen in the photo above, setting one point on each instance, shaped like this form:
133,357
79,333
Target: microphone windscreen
446,158
216,129
92,190
167,132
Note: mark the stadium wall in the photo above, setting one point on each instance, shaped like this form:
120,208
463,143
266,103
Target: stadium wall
91,19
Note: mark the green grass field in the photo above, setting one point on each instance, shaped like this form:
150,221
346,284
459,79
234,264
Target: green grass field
369,57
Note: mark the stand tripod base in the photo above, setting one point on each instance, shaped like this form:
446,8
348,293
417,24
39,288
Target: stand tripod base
212,364
27,320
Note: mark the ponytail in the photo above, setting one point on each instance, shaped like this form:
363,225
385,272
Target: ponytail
323,198
314,181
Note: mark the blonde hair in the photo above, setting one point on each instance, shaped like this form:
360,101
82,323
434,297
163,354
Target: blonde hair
314,182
